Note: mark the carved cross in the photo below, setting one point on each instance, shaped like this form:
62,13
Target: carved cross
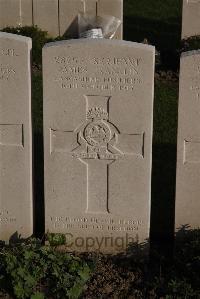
98,143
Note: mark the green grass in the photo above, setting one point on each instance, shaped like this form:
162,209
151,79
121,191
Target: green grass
160,22
30,270
165,113
37,103
165,10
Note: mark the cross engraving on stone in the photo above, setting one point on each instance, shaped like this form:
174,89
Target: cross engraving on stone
97,143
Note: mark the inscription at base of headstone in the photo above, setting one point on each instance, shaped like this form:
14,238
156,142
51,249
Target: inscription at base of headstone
190,18
16,211
98,113
188,152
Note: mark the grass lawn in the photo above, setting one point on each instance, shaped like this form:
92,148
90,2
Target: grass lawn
167,11
157,20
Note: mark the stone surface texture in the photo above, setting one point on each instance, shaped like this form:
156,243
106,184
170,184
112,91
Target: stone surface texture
112,8
188,152
15,13
191,18
9,13
98,115
16,207
68,11
45,16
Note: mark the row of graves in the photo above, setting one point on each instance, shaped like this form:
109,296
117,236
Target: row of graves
98,97
58,17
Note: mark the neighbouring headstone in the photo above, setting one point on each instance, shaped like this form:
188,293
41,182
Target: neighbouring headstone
188,153
14,13
98,115
69,9
191,18
16,207
45,16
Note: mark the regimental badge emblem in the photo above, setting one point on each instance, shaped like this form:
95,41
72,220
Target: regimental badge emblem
97,137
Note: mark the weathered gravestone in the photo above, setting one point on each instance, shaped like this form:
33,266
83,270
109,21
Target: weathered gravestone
191,18
98,114
188,157
14,13
16,213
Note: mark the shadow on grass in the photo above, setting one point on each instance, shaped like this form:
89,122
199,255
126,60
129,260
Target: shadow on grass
165,36
39,213
120,276
158,277
163,197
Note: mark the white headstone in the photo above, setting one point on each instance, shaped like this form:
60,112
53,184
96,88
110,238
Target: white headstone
16,211
98,115
188,153
14,13
191,18
26,13
45,16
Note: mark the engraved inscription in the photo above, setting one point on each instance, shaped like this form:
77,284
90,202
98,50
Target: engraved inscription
6,72
8,52
111,73
99,144
93,223
6,218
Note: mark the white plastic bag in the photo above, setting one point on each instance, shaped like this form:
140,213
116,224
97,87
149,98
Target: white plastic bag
91,26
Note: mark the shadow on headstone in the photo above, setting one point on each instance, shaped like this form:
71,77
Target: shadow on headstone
14,239
72,30
17,239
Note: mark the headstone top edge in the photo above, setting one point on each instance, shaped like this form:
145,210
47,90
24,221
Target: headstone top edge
100,41
16,37
190,53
